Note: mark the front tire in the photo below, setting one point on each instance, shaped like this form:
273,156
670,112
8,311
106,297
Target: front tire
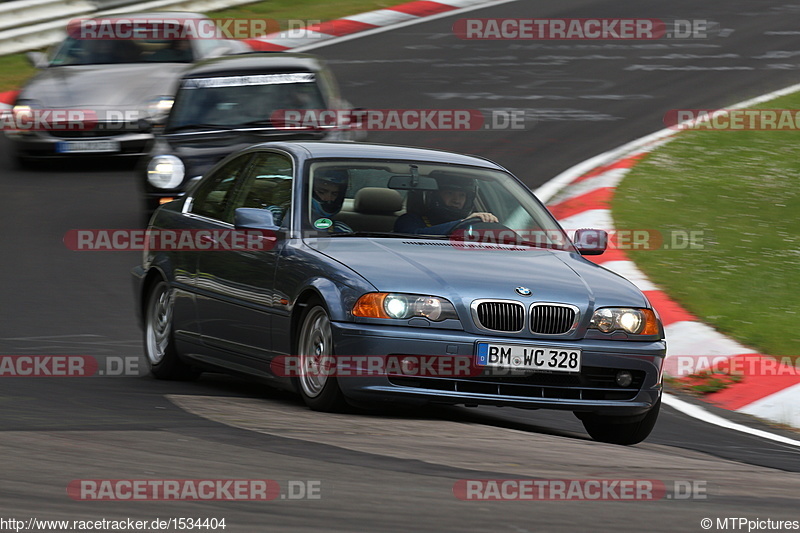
320,390
605,429
159,345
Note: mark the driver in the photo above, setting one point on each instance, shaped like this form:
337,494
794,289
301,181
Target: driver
445,208
327,197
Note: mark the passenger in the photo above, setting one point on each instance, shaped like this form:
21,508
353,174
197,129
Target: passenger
327,196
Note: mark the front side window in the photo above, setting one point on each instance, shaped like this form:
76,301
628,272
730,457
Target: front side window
215,194
269,185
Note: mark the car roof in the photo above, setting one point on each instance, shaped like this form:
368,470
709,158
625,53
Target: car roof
353,150
255,62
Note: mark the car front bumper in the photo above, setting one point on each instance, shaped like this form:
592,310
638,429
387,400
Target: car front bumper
593,389
44,145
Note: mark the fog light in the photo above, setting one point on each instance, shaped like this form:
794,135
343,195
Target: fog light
624,378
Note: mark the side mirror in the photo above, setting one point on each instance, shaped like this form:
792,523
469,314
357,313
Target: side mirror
254,218
260,227
591,241
37,59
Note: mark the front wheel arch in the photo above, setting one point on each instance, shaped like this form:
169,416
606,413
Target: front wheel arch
329,396
161,354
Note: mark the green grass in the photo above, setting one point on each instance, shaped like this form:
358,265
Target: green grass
15,69
304,9
741,188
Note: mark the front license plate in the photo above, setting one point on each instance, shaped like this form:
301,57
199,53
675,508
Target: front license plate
528,357
69,147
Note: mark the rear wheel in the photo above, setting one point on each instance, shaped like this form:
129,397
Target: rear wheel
607,429
319,389
159,345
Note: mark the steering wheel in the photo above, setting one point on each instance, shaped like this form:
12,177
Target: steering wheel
487,231
467,222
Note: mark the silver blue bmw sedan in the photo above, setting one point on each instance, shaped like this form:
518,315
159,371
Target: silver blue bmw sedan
360,274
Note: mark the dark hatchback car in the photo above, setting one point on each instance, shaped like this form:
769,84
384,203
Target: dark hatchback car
226,104
118,80
503,311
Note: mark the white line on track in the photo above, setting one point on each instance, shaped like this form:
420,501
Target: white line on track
695,411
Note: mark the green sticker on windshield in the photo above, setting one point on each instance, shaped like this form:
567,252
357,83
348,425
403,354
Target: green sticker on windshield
323,223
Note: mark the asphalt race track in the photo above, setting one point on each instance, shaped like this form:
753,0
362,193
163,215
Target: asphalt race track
391,471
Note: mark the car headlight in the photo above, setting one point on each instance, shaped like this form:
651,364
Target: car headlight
26,104
629,320
165,172
24,108
159,107
22,114
402,306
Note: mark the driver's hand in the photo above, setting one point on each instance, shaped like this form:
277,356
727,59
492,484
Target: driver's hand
485,217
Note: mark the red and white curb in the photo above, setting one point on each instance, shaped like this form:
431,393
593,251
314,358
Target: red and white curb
408,13
580,198
7,99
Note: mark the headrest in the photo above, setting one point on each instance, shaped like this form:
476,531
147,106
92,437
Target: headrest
377,200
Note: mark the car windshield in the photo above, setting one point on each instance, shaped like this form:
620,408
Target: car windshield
240,100
110,51
424,201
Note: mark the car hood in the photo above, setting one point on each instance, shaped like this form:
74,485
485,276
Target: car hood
102,86
440,268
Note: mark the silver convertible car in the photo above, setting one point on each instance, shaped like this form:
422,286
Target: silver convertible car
360,274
